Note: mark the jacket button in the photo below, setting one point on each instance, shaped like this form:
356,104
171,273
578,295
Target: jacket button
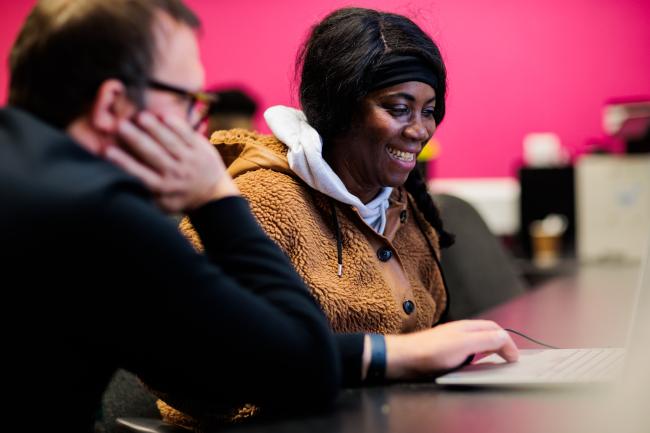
384,254
408,306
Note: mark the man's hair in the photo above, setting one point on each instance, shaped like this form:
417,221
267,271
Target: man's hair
67,48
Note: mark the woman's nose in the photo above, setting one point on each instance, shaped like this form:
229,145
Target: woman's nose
416,130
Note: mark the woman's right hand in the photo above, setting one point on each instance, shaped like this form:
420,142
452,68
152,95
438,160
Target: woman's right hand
445,347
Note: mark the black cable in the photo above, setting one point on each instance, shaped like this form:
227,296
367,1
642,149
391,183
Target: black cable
530,338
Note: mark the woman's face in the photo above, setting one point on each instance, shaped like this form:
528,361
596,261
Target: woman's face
390,130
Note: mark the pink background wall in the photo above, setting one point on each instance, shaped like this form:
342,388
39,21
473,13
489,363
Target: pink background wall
514,66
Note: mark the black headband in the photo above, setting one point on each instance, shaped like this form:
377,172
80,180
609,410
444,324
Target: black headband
396,69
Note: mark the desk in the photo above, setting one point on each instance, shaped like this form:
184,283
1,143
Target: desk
590,308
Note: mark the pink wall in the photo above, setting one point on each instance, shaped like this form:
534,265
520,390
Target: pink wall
514,66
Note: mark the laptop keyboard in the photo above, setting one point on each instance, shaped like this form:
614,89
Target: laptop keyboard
585,365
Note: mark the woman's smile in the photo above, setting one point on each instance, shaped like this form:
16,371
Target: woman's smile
400,155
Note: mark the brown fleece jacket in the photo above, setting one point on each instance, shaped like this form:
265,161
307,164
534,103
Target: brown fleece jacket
371,295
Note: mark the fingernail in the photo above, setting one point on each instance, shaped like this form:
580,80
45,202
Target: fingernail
503,335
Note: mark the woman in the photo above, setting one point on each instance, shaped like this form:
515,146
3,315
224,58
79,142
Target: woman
335,187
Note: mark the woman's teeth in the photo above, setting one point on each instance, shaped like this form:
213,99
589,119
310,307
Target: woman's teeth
402,156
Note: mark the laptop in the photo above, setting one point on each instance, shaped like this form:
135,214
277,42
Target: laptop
550,367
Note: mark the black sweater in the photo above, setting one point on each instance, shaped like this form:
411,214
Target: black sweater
96,278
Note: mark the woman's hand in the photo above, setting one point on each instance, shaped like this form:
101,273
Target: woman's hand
445,347
179,165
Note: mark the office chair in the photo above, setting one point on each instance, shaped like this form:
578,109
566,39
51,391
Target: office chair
479,272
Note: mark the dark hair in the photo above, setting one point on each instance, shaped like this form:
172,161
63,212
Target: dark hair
336,64
233,101
67,48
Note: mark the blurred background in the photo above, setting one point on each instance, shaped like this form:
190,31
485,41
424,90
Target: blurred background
534,86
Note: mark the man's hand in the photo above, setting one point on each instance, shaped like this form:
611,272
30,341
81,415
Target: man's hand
179,165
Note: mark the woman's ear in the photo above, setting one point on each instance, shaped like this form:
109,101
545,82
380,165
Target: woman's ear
110,106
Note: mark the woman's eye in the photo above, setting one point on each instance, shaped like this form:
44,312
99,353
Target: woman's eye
428,112
399,110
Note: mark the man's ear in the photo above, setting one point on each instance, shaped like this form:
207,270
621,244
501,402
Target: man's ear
110,106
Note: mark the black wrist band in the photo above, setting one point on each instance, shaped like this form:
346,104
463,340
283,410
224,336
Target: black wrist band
377,368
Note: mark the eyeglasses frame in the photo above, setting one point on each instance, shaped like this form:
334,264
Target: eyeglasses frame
193,97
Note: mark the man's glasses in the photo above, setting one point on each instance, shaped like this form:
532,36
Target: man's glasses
199,102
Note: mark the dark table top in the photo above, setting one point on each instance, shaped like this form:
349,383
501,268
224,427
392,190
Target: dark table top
589,309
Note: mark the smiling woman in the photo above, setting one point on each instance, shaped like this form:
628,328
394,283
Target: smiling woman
335,185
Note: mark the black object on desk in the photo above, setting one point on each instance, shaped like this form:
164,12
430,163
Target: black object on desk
547,191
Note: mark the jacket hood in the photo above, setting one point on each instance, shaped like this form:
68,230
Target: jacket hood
243,151
298,154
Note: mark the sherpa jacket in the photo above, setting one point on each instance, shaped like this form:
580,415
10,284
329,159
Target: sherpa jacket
388,284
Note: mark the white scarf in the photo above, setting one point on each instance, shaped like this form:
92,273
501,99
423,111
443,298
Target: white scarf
305,157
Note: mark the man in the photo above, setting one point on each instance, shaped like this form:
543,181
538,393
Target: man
97,142
95,275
